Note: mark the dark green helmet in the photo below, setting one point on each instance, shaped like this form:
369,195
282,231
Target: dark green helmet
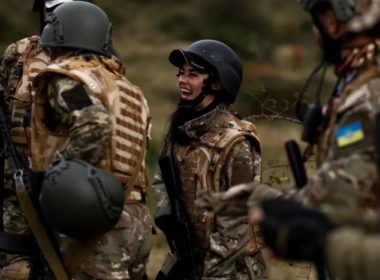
38,4
80,200
343,9
78,25
220,56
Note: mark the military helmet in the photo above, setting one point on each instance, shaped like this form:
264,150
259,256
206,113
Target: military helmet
343,9
80,200
367,20
79,25
219,56
51,3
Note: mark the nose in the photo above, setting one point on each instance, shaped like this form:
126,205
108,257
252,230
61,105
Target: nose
182,78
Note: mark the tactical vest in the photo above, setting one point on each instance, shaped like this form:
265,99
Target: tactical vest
31,61
353,93
125,103
200,167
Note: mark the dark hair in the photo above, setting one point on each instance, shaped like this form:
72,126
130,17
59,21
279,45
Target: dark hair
321,8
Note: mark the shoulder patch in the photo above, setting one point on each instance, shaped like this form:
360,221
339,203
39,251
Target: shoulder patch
349,134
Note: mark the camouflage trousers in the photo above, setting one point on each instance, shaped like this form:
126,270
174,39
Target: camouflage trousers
122,253
16,267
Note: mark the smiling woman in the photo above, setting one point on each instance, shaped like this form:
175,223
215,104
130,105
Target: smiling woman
211,150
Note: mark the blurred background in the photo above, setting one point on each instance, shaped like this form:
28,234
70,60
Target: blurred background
273,38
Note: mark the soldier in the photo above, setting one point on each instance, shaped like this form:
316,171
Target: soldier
350,251
212,149
347,175
19,64
350,248
90,118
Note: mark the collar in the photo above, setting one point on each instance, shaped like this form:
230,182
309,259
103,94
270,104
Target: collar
359,57
195,128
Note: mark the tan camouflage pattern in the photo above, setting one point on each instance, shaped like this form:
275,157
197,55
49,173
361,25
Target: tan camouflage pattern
224,151
19,64
120,111
90,134
120,254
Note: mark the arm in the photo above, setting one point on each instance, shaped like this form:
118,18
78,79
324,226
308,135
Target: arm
232,234
353,254
347,177
79,110
8,64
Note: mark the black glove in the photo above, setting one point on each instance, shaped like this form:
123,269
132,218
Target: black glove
294,232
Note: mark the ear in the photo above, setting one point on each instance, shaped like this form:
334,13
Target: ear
216,86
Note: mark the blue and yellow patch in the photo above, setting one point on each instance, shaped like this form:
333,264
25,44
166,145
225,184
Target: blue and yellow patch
349,134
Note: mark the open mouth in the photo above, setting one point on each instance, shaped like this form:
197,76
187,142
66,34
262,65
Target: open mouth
186,94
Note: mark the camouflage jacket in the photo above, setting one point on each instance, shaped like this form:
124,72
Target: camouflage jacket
348,174
353,254
219,242
86,108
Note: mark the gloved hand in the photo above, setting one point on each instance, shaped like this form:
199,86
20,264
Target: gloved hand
294,232
232,202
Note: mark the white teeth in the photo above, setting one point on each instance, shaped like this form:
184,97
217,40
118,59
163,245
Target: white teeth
185,91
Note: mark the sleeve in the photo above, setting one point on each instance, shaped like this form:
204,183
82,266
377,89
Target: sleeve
347,177
162,202
232,235
353,254
8,64
76,108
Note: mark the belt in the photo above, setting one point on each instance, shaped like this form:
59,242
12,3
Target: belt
18,244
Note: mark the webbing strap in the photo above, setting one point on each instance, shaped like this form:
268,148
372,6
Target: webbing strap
38,229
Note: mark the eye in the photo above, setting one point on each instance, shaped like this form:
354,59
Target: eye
180,72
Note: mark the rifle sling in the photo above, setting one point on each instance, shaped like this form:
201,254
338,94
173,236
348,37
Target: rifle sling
38,230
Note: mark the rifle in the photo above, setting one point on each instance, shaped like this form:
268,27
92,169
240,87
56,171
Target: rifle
178,231
38,228
300,178
296,163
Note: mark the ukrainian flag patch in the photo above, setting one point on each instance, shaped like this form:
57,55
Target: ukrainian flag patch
349,134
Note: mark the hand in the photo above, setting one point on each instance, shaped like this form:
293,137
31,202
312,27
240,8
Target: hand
292,231
232,202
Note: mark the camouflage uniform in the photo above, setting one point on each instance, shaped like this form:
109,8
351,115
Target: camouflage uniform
348,174
87,96
353,254
222,151
20,63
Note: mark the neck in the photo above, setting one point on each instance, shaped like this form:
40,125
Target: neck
205,102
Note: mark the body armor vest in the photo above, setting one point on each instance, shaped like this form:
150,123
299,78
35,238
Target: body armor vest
31,61
124,101
200,166
353,93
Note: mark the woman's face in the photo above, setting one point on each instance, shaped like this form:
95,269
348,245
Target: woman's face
190,82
